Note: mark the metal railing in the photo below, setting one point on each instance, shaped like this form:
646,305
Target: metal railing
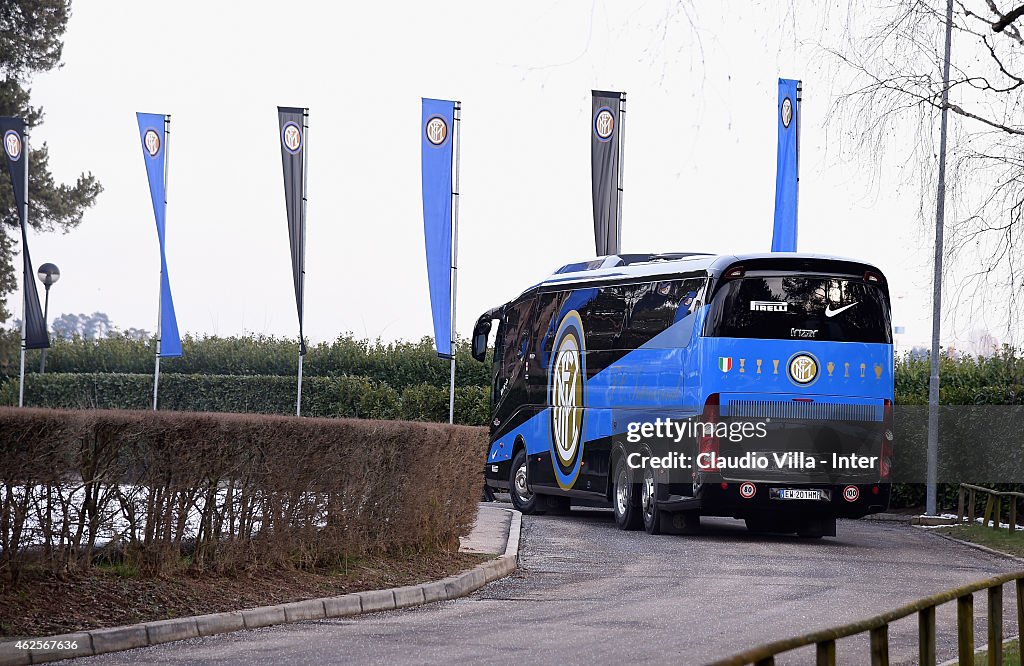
993,506
878,626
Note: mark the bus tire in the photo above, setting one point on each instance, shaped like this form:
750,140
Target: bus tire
626,498
523,499
649,502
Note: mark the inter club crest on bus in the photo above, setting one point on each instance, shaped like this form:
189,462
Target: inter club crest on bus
291,138
803,369
436,130
566,387
604,123
725,363
151,142
12,145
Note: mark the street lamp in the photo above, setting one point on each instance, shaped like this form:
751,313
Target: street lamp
48,275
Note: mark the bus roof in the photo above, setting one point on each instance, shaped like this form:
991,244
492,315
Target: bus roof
615,268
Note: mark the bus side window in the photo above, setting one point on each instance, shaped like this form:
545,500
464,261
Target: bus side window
512,347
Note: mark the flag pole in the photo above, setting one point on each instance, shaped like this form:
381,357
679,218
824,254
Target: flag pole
622,163
24,287
302,274
457,117
160,285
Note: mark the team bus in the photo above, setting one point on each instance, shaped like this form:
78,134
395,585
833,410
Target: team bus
610,371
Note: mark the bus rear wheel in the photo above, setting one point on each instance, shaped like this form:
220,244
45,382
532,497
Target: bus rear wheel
626,498
649,502
519,488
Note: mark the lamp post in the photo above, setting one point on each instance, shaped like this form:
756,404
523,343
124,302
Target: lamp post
48,275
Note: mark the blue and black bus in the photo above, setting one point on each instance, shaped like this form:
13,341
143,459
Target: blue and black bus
747,370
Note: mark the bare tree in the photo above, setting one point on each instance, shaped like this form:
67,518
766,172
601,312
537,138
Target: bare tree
890,59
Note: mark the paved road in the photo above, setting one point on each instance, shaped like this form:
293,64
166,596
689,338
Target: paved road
588,593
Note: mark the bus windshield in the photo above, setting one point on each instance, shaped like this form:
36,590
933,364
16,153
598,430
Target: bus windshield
783,307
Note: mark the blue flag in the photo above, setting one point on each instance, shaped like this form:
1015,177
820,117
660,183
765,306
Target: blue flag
436,132
152,131
787,174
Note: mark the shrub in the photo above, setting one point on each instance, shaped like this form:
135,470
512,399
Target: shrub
235,490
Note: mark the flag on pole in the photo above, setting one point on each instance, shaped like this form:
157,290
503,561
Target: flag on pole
153,133
16,150
787,174
607,131
292,124
437,128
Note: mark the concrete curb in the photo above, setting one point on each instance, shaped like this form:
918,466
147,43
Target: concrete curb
116,639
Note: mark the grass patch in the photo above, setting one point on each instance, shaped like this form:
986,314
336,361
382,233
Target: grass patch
996,539
1011,654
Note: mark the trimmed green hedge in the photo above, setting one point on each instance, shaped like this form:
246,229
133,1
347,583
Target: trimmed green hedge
399,364
341,396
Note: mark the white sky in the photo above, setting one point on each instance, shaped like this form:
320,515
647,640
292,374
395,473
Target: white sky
699,173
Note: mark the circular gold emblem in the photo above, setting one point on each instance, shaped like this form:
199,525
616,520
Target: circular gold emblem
803,369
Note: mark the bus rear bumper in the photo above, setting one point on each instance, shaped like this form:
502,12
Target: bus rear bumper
735,500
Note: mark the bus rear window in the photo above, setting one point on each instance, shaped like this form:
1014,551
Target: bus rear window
800,307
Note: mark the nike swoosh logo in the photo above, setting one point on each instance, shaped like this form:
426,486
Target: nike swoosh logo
832,313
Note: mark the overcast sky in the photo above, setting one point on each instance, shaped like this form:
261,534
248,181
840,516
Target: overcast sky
699,171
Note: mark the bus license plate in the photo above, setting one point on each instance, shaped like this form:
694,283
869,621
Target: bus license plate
813,494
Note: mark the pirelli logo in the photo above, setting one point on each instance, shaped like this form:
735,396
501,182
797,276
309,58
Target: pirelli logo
768,306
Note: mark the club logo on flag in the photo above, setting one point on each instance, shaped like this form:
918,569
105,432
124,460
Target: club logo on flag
291,138
787,112
12,145
151,142
437,131
725,363
604,124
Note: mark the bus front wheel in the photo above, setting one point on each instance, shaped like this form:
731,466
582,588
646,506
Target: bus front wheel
626,498
523,499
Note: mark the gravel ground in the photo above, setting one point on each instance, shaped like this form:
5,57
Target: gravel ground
588,593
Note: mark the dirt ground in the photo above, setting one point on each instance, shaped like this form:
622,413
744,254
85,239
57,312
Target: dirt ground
41,604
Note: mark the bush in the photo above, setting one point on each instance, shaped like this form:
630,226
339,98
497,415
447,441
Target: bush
399,364
232,490
341,396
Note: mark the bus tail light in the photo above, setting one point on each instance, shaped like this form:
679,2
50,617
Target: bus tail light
708,443
885,461
872,277
734,273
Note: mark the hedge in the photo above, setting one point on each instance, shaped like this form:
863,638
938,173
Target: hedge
228,490
399,364
341,396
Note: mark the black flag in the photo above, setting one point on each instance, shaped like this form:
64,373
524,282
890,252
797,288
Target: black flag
606,133
293,124
16,151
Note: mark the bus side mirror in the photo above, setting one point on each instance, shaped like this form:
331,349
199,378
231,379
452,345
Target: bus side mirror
479,345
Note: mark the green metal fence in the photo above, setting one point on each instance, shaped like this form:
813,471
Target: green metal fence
878,626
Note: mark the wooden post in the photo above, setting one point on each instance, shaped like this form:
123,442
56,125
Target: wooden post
1013,513
998,518
880,646
989,505
995,625
960,505
1020,602
926,636
970,505
965,629
826,653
